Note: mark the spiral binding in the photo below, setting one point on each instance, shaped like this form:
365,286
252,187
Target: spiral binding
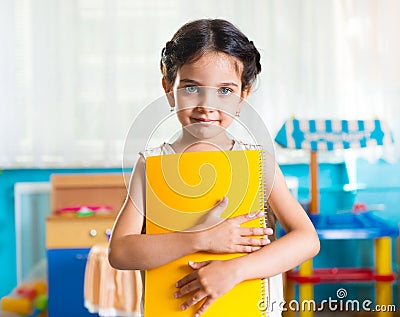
262,194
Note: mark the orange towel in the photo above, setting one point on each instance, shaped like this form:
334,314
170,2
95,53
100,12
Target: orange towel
110,292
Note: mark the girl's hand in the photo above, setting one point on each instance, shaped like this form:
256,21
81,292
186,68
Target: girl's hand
228,236
210,280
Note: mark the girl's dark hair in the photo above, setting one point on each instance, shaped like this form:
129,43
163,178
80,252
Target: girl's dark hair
195,38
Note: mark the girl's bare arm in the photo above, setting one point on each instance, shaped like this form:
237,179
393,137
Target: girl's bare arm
298,245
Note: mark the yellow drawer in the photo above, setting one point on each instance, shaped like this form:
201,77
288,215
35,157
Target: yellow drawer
74,232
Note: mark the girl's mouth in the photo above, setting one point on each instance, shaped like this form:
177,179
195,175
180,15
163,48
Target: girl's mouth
204,121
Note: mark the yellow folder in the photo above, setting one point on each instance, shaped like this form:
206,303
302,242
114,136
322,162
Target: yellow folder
180,189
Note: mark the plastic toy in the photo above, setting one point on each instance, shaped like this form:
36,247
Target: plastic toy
28,300
17,305
84,211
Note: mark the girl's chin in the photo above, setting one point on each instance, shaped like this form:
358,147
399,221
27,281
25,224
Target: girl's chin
204,132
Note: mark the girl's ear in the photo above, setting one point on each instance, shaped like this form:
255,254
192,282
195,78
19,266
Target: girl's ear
168,88
243,96
246,92
166,85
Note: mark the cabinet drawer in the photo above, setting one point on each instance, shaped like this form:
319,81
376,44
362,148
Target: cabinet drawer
63,232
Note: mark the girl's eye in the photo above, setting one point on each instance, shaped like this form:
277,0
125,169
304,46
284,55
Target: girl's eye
225,91
192,89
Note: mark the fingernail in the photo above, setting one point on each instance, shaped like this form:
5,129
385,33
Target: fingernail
183,307
175,295
190,262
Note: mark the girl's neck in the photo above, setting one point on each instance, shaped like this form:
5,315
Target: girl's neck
187,143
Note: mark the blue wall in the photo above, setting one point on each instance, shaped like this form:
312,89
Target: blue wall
382,186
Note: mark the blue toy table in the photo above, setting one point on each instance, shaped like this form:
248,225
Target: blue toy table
364,225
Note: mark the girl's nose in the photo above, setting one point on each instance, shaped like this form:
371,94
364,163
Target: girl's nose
207,100
205,109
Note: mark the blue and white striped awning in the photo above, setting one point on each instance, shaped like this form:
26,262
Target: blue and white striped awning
333,134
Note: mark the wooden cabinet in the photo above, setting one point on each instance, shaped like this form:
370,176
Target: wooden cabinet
69,238
63,232
68,245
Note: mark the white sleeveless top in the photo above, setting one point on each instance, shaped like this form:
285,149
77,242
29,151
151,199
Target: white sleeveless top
166,148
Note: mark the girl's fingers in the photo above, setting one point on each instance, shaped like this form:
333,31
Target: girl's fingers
186,289
193,300
256,231
254,242
218,209
198,265
247,217
246,248
191,277
187,279
204,307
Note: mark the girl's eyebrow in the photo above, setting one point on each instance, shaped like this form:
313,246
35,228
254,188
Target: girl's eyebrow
229,84
191,81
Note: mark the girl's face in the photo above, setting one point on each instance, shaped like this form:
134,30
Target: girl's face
207,94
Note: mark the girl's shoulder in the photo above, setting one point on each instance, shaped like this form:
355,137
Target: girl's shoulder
164,148
239,145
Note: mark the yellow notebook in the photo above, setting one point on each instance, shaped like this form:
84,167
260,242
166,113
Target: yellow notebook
180,188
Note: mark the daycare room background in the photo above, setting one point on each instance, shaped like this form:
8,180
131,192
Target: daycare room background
74,74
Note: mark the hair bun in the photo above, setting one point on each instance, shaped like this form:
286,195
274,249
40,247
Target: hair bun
256,56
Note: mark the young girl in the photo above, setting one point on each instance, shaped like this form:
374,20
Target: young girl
211,53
